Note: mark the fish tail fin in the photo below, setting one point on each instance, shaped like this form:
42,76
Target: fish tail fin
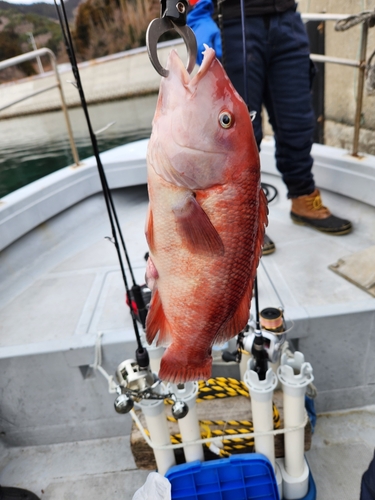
156,321
178,367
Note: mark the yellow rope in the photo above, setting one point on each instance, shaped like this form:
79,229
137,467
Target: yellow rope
221,387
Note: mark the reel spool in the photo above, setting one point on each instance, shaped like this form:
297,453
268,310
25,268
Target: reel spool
272,319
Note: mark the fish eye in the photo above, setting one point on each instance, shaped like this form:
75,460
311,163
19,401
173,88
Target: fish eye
225,119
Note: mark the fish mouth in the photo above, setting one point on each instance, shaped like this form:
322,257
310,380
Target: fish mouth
176,66
208,57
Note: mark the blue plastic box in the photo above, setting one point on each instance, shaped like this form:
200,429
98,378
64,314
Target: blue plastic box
247,476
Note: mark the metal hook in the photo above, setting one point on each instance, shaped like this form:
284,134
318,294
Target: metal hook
156,29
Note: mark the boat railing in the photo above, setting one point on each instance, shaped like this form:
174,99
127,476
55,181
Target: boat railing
360,64
35,54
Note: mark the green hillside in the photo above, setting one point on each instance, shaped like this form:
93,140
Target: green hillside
41,8
99,28
17,22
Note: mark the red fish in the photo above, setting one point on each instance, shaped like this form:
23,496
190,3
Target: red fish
206,219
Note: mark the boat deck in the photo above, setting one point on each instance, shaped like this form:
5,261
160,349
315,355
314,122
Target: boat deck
342,447
60,285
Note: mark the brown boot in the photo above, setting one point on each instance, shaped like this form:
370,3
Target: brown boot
268,246
308,210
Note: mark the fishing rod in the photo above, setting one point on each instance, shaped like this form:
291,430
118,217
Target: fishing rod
258,347
133,294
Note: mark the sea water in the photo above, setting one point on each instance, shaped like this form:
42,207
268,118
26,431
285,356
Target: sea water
37,145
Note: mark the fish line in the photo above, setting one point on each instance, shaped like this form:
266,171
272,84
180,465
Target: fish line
272,284
112,214
244,53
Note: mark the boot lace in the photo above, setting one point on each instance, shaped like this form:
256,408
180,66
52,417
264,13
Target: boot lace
315,203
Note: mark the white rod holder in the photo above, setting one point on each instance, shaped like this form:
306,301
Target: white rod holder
295,375
156,422
261,394
245,358
155,355
189,425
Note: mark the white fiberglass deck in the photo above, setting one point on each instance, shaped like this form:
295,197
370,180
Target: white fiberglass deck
60,285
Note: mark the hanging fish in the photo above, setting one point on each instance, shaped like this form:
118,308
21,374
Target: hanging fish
206,218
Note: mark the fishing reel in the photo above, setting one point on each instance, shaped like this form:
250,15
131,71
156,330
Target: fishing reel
136,383
270,338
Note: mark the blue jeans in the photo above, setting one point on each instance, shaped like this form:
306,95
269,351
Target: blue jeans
368,482
279,76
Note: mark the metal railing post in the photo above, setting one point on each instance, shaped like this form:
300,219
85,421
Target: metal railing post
360,87
66,114
36,54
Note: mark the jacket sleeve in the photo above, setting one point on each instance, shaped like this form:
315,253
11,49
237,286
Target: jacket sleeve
205,29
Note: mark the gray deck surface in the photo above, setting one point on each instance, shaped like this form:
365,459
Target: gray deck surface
342,447
82,267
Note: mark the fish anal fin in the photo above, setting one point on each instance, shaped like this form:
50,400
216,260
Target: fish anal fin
177,367
196,229
156,322
150,230
239,319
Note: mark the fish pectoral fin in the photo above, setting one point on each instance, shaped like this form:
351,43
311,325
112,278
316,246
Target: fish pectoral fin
149,231
239,319
156,321
196,229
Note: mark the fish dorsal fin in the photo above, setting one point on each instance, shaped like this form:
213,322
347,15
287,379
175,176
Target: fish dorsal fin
196,229
263,222
241,316
239,319
156,321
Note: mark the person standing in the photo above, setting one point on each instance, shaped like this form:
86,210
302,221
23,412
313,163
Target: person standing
279,76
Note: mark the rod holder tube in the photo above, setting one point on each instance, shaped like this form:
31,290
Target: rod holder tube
189,425
261,394
245,358
155,354
295,375
157,426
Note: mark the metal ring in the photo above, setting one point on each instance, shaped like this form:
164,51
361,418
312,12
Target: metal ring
156,29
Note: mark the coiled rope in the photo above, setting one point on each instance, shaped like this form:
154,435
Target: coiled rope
349,22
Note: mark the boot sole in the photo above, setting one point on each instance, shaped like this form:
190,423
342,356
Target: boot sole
333,232
268,251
